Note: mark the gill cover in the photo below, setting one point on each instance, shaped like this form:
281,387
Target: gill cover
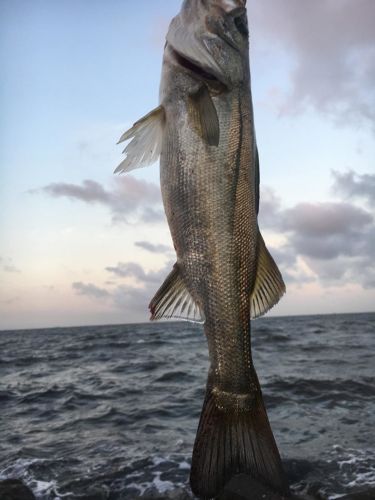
212,34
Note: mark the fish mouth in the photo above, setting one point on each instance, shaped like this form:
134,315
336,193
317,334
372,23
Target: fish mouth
237,19
240,21
204,74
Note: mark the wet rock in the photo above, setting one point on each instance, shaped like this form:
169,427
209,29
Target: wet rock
14,489
94,494
178,494
296,470
360,495
244,487
175,494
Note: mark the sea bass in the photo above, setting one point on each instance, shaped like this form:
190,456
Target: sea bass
203,131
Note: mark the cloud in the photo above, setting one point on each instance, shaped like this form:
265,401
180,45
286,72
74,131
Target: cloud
326,230
133,300
136,271
330,243
11,269
284,255
89,192
358,270
333,242
336,240
333,49
150,247
8,266
353,185
269,208
325,219
10,301
289,264
90,290
129,197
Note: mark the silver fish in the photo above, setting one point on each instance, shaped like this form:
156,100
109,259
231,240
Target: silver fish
203,131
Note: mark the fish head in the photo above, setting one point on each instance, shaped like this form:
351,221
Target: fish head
212,36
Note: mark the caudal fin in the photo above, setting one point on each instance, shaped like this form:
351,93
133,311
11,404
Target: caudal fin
233,441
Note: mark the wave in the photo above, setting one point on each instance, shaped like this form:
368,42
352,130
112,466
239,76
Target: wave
175,376
343,471
120,416
320,390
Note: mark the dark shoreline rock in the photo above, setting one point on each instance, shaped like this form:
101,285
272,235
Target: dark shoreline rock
240,487
244,487
14,489
360,495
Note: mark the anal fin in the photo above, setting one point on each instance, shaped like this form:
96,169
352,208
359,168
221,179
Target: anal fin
269,286
146,140
173,300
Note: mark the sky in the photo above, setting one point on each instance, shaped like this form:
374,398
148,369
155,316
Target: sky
80,246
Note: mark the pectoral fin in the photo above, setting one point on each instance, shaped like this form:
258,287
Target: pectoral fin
269,285
173,300
146,139
204,115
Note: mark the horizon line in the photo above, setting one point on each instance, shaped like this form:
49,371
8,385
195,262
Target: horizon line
149,322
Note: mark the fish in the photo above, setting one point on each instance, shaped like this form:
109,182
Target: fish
224,276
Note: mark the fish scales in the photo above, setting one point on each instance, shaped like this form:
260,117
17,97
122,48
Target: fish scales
210,206
203,131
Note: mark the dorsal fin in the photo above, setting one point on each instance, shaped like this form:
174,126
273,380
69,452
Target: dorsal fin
145,146
269,286
173,300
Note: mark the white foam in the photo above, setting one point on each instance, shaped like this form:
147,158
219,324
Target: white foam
140,487
364,479
20,470
159,460
43,487
162,486
19,467
156,483
350,463
183,465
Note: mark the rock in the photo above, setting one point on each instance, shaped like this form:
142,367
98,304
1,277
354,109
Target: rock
296,470
360,495
178,494
244,487
175,494
14,489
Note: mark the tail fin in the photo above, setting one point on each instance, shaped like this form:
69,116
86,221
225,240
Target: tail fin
230,442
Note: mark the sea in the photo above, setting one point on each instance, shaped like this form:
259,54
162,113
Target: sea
111,412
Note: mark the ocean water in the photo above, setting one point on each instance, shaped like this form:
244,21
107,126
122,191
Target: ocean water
110,412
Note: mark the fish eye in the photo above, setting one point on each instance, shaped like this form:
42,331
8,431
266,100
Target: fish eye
241,24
